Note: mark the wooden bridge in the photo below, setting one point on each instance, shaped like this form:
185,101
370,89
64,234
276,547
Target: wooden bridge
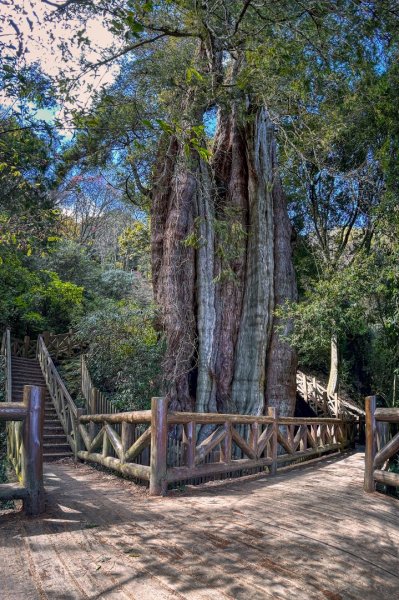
309,533
283,528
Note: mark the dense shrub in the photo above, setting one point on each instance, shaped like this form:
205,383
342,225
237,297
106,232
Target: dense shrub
125,354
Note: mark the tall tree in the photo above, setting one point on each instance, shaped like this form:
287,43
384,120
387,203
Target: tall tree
221,237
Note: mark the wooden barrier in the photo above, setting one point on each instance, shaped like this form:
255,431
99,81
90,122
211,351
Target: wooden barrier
67,411
25,448
62,345
237,443
323,403
379,449
96,401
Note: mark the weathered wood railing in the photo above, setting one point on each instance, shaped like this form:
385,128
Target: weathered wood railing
323,403
236,442
378,449
59,345
6,353
67,411
96,401
25,448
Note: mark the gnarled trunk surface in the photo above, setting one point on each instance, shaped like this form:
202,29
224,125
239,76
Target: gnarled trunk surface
224,352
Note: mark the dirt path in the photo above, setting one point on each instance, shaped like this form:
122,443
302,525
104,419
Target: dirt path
309,533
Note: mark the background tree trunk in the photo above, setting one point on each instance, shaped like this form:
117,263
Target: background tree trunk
333,379
223,350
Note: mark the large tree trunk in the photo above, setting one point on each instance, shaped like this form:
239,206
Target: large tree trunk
332,386
223,350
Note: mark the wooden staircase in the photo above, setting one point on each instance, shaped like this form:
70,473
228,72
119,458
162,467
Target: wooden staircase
27,371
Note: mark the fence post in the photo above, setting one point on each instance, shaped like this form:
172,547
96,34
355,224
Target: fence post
26,346
159,444
77,434
273,413
32,449
325,404
369,484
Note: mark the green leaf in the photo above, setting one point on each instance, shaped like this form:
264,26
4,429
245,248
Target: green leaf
191,72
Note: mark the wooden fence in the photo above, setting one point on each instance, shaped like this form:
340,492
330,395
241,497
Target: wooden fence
96,401
25,448
62,345
323,403
67,411
237,443
380,445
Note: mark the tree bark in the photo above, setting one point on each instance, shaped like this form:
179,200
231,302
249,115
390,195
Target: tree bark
333,379
223,349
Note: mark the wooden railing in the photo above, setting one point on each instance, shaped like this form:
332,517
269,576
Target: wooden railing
379,448
25,448
237,443
323,403
96,401
67,411
6,353
62,345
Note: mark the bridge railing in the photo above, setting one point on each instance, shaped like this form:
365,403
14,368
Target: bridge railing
197,446
323,403
67,411
60,345
380,445
25,448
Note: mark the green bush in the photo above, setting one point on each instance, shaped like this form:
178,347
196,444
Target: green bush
125,355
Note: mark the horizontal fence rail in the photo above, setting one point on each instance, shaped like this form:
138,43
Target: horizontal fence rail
196,446
25,422
381,445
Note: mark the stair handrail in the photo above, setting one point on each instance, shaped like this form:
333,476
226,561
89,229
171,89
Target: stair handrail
6,352
67,411
332,404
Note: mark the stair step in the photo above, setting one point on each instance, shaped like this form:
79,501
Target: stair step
53,431
57,456
54,438
59,447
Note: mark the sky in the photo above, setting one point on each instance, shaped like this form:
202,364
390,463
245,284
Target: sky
30,18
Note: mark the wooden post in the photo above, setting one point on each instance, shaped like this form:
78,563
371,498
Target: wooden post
272,412
26,346
93,428
369,484
226,446
77,435
325,404
305,388
127,438
32,449
159,444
